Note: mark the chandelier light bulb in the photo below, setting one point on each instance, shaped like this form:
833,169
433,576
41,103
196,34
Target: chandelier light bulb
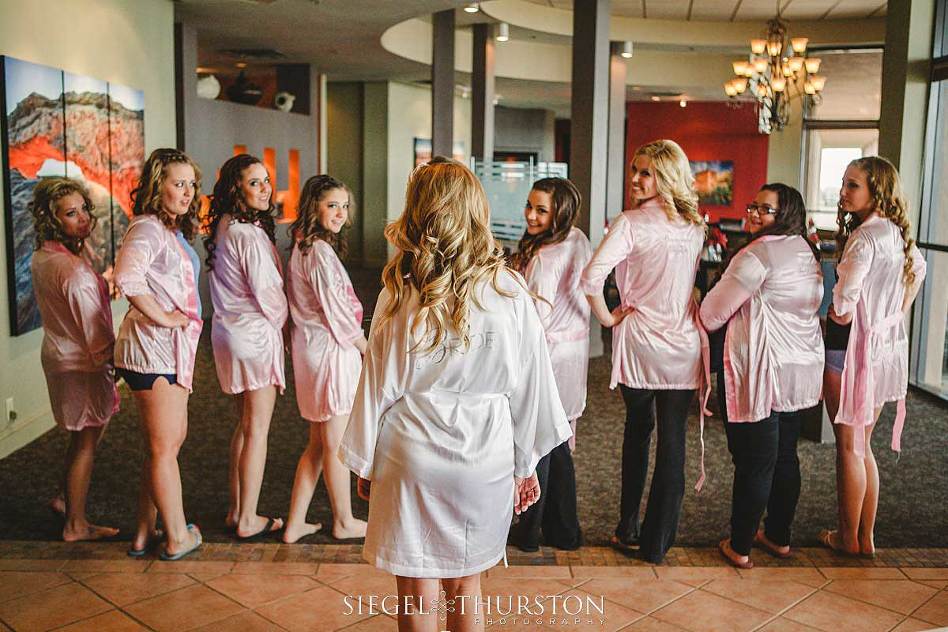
503,32
799,44
740,84
760,65
818,82
812,65
730,89
682,103
761,90
795,63
774,47
740,67
758,46
787,71
779,84
472,7
809,88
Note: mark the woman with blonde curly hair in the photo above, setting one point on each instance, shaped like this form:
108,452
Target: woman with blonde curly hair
250,310
457,401
78,340
879,274
157,270
656,341
327,352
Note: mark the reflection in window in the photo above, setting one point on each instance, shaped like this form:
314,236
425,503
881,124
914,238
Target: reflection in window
829,152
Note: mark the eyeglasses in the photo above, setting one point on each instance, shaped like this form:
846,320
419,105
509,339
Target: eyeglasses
761,209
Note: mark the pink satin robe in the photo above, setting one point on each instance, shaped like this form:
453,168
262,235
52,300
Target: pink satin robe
871,288
152,261
326,320
250,309
554,274
78,340
773,351
658,345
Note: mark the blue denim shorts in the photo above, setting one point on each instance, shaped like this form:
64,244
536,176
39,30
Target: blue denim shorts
835,360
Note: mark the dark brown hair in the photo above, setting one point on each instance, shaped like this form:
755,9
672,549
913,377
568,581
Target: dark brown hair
146,197
566,202
228,200
307,226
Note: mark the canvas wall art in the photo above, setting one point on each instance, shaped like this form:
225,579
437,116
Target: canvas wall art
714,181
56,123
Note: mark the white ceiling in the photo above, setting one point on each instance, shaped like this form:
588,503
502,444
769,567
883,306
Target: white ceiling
737,10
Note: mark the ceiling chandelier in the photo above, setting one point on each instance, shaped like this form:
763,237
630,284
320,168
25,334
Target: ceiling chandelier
776,71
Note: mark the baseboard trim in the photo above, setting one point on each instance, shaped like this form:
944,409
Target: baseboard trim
22,433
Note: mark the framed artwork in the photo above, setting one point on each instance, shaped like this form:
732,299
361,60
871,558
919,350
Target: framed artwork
714,181
56,123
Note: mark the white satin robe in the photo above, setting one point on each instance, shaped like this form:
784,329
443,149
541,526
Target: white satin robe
554,274
326,321
152,261
872,289
658,345
250,309
78,340
442,434
773,350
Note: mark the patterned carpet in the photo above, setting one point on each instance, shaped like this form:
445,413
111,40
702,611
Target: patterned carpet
912,509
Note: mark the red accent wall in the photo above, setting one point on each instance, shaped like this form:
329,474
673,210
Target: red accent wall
706,130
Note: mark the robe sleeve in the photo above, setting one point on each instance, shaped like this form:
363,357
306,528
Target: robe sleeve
381,384
852,271
263,276
95,320
919,267
140,246
543,278
615,246
539,421
743,277
329,286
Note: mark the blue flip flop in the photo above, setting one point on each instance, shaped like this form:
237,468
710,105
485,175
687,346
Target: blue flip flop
157,537
177,556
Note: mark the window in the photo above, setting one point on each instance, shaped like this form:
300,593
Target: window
929,368
843,126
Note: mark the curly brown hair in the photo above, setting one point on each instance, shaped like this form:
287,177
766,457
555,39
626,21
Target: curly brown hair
566,203
46,225
227,199
307,225
146,197
885,189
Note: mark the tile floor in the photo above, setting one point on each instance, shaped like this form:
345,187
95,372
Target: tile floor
45,586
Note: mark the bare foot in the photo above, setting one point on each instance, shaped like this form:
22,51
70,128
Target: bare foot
57,505
231,520
87,531
258,525
867,547
145,539
352,528
293,533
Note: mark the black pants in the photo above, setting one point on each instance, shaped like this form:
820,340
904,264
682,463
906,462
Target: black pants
766,475
555,512
642,409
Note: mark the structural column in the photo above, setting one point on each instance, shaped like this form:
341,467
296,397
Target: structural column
905,84
615,176
442,83
590,112
482,92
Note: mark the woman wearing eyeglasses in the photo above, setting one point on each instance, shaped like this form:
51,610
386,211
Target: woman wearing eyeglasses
769,296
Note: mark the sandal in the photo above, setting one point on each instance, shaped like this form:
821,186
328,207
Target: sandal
167,557
724,546
830,539
153,540
761,540
267,530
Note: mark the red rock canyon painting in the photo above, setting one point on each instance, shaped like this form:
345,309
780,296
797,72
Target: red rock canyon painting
56,123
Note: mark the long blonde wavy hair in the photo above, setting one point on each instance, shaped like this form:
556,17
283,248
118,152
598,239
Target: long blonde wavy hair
443,249
885,190
673,179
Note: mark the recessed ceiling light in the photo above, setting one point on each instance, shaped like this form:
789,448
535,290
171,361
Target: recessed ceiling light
472,7
503,32
656,99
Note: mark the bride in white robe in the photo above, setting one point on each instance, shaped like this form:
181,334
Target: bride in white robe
443,429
